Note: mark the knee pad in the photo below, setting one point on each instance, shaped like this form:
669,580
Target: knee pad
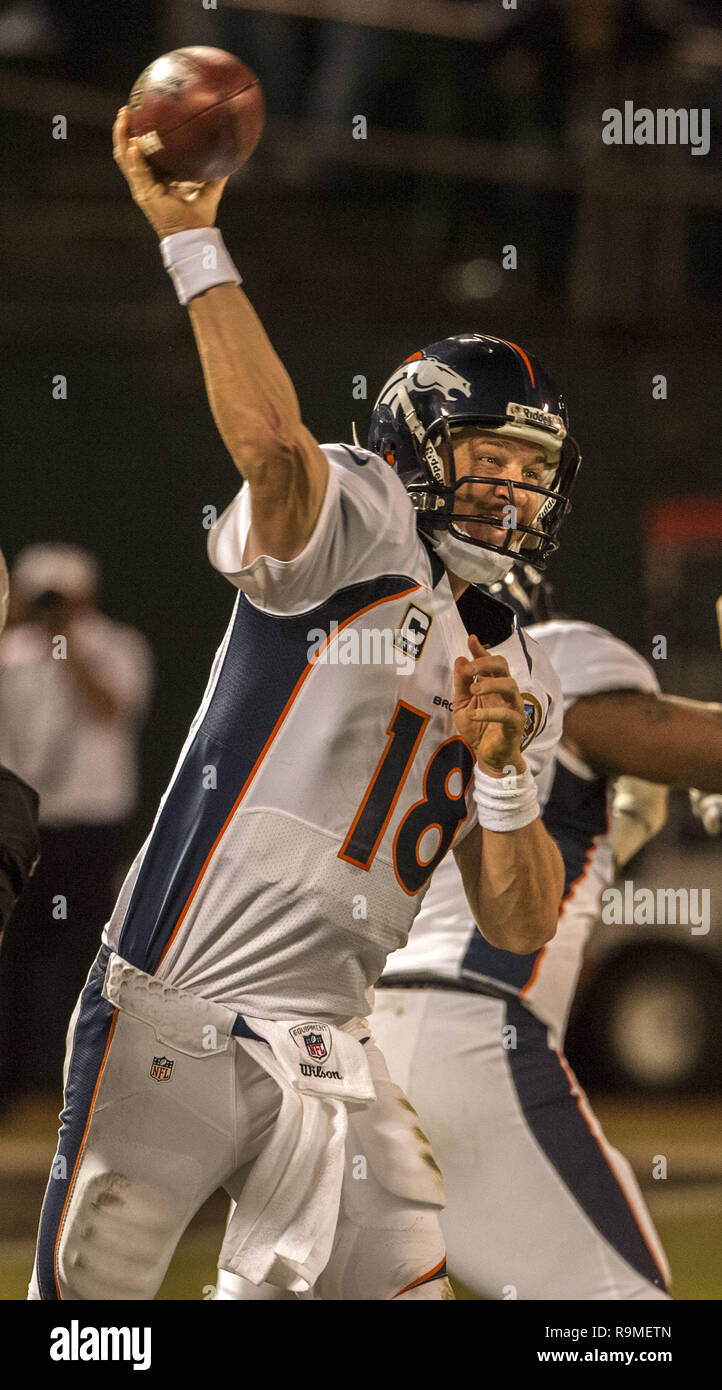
116,1242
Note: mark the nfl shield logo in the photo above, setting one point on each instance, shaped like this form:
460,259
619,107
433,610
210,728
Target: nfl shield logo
312,1038
161,1068
315,1046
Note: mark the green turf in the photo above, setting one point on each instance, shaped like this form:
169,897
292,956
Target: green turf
687,1212
692,1244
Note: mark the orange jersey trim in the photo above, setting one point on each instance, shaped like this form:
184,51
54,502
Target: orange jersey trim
390,598
421,1279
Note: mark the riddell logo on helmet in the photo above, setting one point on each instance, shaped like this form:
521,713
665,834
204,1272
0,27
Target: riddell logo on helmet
532,415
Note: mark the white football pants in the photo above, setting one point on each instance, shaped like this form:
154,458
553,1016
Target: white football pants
150,1131
538,1203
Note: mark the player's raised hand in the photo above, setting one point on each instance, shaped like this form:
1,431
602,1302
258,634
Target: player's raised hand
488,709
169,208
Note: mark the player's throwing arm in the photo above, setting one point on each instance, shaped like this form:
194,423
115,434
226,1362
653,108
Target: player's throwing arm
251,395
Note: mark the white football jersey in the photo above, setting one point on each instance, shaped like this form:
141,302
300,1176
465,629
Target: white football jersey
444,944
322,779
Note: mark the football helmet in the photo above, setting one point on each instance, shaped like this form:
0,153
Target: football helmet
478,380
528,592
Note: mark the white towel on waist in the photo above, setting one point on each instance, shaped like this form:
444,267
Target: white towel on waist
283,1227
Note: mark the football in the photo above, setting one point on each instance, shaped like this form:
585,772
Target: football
198,114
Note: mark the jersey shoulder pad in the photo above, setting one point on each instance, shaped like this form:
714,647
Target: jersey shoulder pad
589,660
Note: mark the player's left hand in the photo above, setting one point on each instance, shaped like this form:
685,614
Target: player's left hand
167,208
488,709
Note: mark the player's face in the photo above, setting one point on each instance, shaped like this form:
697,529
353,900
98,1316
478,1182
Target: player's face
487,454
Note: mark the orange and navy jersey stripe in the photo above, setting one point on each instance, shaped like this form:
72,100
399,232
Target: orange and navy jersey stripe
264,668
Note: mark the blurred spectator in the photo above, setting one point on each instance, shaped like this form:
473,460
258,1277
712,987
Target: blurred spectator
74,687
19,846
18,813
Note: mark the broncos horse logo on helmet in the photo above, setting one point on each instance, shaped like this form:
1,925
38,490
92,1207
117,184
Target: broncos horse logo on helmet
493,384
429,374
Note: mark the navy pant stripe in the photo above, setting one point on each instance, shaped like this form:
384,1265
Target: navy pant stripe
90,1040
554,1118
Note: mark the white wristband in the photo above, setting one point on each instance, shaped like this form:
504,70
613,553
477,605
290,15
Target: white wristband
196,261
505,807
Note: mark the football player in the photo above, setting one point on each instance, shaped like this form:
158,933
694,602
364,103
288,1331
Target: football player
539,1203
343,746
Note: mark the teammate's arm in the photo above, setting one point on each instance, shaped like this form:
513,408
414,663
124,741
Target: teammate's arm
251,395
514,879
661,738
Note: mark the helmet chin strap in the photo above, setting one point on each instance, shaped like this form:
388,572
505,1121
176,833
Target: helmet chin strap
469,562
415,427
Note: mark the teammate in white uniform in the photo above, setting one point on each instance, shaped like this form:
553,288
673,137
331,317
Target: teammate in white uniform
539,1204
220,1039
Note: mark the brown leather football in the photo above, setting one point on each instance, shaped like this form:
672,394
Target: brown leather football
198,113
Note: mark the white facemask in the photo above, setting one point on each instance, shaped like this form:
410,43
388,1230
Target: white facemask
469,562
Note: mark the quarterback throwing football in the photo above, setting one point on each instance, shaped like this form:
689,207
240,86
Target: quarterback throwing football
220,1038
